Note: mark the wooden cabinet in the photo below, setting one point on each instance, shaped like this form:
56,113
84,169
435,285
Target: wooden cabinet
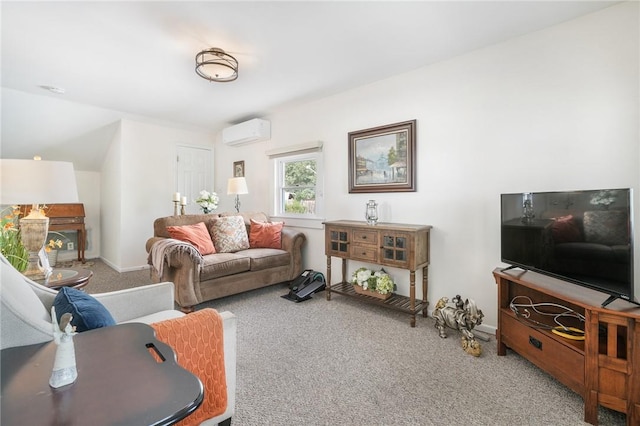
604,368
337,240
65,217
386,244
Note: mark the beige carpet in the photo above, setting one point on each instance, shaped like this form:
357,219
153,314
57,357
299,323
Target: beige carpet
107,279
346,363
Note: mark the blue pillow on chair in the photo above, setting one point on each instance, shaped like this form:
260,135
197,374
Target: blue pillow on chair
87,312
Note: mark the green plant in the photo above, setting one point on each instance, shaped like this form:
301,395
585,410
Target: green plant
294,206
379,281
10,242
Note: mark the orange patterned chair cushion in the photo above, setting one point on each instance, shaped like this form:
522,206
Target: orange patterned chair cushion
197,341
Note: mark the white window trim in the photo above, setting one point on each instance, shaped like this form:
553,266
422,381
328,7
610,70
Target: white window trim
301,152
293,149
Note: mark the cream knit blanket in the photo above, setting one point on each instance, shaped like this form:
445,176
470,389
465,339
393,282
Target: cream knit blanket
162,250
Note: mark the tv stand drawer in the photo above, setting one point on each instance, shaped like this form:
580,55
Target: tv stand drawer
562,362
604,368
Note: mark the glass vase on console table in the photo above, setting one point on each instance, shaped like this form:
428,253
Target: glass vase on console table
371,212
528,214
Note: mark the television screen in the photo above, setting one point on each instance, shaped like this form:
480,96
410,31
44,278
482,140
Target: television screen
580,236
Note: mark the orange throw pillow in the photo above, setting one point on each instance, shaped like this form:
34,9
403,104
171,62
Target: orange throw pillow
198,341
565,230
197,235
265,234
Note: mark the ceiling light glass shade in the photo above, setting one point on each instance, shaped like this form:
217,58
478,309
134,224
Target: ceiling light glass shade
216,65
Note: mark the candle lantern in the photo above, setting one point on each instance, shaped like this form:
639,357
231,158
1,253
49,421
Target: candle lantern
371,212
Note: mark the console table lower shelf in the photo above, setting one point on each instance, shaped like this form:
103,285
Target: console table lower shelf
395,302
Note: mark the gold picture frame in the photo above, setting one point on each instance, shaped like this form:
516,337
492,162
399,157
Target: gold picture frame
383,159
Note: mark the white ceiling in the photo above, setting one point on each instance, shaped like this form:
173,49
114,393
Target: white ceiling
136,59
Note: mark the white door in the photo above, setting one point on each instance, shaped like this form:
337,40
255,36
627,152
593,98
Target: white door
195,173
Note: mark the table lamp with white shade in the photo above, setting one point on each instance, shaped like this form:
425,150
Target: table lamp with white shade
236,186
37,183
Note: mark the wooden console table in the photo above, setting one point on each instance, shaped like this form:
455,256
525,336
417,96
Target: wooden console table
65,217
604,368
387,244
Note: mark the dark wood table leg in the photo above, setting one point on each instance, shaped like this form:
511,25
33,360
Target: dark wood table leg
425,288
82,238
412,297
328,288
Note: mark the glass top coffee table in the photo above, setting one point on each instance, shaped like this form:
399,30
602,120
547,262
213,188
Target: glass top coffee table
76,278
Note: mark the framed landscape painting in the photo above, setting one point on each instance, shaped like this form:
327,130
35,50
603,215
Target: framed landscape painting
382,159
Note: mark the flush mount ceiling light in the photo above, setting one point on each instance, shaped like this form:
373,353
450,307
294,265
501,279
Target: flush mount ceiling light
216,65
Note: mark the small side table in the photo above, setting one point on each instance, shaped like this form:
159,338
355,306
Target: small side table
119,382
76,278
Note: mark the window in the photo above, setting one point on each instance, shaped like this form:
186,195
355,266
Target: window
298,185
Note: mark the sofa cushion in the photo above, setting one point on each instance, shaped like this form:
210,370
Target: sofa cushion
565,229
223,264
265,234
160,224
229,234
18,295
609,227
196,234
156,317
266,258
88,313
247,216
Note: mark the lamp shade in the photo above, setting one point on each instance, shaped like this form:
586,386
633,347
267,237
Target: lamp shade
237,186
37,182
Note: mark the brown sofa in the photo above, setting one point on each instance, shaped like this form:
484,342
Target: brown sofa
201,278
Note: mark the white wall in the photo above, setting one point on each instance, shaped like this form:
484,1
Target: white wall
110,202
256,173
553,110
139,179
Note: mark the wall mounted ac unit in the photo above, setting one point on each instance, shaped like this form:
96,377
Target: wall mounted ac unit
249,131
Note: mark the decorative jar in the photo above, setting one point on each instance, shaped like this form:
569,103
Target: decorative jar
371,212
528,214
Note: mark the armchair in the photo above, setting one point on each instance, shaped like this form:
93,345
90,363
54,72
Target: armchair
25,317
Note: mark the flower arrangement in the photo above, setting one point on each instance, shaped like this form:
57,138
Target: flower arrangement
51,248
52,245
379,281
11,245
605,198
208,201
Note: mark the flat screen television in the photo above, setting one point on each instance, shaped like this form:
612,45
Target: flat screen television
584,237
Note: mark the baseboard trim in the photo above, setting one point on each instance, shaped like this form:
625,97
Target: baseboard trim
129,269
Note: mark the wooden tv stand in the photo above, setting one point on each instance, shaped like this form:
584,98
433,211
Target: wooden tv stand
604,368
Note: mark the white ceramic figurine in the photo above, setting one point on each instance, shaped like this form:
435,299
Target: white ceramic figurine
64,366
